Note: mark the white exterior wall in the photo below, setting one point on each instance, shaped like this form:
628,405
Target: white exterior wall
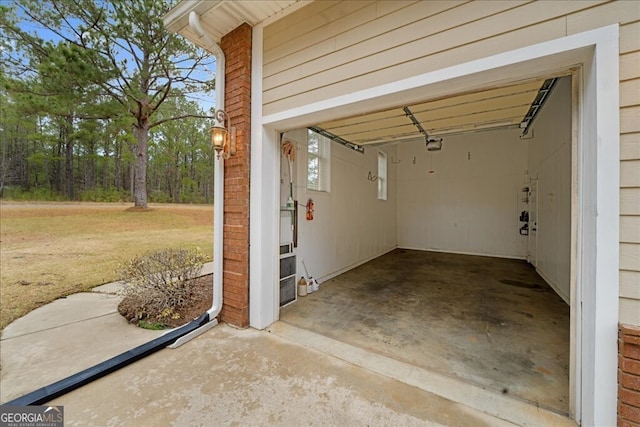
332,48
471,203
350,225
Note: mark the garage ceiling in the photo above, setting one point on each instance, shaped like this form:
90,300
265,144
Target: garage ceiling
507,106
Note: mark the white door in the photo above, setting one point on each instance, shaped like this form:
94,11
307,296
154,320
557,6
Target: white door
533,223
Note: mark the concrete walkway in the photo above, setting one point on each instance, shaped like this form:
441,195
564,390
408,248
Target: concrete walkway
224,377
63,338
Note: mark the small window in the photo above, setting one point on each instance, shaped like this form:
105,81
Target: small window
318,165
382,175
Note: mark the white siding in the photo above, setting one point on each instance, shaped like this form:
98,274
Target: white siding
630,172
328,60
331,48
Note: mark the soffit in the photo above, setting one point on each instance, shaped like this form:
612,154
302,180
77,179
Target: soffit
219,17
501,107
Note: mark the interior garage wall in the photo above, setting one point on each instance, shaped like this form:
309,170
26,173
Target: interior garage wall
350,225
471,202
330,48
549,163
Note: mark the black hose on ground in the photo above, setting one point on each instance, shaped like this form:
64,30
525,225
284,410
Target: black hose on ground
59,388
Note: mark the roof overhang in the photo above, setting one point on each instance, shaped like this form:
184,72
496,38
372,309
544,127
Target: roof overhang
219,17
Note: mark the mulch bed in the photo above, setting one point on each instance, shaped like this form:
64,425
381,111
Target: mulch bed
201,301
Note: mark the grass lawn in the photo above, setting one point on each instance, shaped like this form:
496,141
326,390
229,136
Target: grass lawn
49,250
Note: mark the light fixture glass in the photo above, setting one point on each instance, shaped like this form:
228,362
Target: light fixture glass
218,137
223,135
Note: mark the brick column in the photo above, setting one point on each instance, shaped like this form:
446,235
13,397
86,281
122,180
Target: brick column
628,376
236,46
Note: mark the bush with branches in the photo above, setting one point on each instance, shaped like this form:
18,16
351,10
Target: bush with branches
158,284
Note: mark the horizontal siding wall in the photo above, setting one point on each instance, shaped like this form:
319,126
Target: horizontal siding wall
319,61
630,171
330,48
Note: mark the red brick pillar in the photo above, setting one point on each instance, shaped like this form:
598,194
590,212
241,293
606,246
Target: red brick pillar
236,46
628,376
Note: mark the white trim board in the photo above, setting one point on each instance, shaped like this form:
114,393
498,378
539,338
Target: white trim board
264,211
595,290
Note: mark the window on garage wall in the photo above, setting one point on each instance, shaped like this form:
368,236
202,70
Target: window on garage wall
382,175
318,161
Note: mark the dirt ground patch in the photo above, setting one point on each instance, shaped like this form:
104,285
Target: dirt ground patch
50,250
200,301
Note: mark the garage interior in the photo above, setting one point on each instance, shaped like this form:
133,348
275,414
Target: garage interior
441,236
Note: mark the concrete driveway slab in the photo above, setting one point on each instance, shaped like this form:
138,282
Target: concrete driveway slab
248,377
63,338
63,311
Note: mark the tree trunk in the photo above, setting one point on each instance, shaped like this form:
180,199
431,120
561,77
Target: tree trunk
68,157
176,179
68,169
105,165
130,179
25,171
45,171
141,132
90,172
56,183
117,166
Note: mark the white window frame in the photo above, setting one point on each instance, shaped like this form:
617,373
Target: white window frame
323,157
382,175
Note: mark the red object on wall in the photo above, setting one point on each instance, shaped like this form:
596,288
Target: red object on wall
310,209
628,375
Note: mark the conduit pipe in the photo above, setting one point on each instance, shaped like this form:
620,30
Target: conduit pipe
66,385
218,173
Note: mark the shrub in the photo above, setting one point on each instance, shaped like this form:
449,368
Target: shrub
159,283
104,195
36,194
157,196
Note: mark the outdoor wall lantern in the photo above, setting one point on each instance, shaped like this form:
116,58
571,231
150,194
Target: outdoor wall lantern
223,135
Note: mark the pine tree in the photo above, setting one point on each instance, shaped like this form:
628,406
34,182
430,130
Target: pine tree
93,59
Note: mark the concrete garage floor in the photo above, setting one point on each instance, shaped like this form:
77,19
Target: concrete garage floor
489,321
